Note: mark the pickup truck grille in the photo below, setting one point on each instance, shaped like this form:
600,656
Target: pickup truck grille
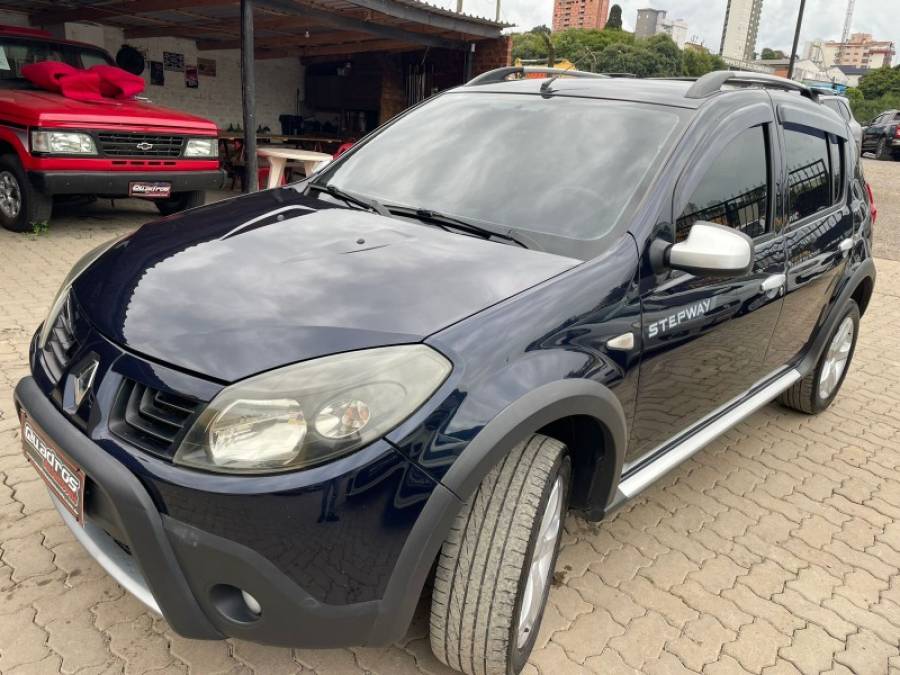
151,419
140,145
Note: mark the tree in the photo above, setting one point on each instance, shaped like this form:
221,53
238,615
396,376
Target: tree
879,83
696,63
768,53
614,22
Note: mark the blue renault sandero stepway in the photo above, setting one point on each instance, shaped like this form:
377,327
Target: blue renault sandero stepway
276,417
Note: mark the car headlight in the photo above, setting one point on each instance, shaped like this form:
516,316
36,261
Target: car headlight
202,147
59,300
311,412
62,143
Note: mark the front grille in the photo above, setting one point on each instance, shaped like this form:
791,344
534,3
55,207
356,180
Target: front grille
151,419
126,145
61,342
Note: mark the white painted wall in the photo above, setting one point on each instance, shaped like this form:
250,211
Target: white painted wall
13,18
217,98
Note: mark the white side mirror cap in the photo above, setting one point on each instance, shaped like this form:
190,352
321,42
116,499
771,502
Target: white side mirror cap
712,250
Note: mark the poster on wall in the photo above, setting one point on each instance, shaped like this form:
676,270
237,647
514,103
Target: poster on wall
173,61
206,67
190,77
157,73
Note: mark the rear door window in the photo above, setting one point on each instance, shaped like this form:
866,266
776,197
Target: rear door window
810,186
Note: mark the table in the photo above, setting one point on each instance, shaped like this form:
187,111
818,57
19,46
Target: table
278,158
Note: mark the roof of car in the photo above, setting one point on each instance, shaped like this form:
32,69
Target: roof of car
663,92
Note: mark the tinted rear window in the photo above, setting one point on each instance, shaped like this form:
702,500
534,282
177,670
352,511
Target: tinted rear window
558,166
809,177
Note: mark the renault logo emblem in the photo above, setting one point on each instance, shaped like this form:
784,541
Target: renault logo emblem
84,380
144,145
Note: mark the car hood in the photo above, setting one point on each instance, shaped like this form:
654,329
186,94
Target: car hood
34,107
253,283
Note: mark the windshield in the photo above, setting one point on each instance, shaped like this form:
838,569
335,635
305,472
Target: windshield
16,52
559,166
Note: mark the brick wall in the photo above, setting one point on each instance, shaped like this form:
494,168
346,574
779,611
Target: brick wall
393,93
490,54
219,98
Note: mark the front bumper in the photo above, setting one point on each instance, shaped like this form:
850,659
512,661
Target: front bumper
115,183
193,577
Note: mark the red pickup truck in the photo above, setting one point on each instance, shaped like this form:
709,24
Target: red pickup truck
53,145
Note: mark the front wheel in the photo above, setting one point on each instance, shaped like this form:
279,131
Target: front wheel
21,205
816,391
495,569
180,201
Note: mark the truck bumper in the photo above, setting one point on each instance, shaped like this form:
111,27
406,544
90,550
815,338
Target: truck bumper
194,578
115,183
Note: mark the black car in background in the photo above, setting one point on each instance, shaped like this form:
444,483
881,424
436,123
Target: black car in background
277,416
882,136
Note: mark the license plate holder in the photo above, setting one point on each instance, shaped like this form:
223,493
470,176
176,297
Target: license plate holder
63,476
150,189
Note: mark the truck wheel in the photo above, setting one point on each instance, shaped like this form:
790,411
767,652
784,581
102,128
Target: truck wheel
816,391
495,568
21,206
180,201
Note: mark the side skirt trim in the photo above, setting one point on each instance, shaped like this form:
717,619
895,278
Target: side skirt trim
706,430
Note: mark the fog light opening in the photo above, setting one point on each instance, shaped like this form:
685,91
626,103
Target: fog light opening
235,603
252,603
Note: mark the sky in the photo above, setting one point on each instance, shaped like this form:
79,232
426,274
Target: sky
822,18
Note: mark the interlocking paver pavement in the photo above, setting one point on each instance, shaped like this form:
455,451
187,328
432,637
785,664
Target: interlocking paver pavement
775,550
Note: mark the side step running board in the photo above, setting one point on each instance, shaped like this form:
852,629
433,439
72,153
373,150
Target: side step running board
706,430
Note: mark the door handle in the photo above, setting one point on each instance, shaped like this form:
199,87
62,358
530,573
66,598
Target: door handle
845,245
772,283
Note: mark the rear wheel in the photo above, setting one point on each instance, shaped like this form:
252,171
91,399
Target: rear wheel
816,391
21,205
496,567
180,201
884,151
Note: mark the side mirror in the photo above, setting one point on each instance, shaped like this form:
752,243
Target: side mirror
712,250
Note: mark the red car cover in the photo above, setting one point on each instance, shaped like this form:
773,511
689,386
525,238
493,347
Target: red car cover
94,84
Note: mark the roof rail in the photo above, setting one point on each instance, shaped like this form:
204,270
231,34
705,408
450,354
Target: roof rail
503,74
713,82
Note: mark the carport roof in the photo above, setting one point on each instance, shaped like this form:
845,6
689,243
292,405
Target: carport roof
305,28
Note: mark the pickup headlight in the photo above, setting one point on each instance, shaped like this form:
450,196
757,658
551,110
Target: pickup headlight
62,143
311,412
62,294
202,147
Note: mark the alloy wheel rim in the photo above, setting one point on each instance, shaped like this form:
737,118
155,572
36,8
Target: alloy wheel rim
836,358
10,195
540,566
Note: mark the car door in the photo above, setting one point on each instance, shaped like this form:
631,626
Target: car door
705,338
873,133
818,224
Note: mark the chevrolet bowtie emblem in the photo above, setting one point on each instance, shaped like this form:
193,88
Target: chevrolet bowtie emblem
144,145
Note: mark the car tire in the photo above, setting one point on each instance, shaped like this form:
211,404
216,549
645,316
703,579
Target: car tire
21,205
180,201
883,152
484,619
816,391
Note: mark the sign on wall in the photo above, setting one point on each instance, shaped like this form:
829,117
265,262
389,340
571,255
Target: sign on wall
206,67
190,77
173,61
157,74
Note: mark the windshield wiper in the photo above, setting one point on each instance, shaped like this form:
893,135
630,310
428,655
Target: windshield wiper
367,203
446,222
